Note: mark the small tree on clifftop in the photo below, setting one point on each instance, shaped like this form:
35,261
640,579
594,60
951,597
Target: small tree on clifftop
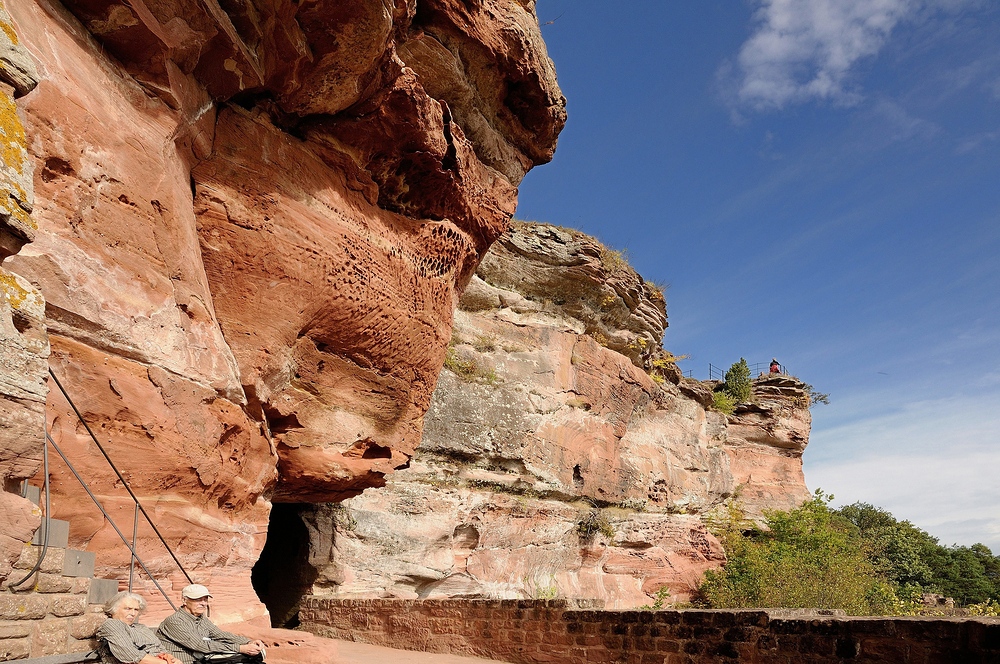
737,383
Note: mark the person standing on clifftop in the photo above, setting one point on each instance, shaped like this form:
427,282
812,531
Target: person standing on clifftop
775,367
191,637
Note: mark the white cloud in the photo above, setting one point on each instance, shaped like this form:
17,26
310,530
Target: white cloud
805,49
932,462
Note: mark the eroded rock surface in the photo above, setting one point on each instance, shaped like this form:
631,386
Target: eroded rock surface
554,465
765,443
23,343
254,219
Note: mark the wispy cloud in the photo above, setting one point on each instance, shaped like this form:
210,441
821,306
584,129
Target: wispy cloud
805,49
932,462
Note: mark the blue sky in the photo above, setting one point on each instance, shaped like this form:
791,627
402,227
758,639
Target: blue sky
818,181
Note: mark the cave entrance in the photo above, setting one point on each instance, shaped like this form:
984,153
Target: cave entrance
282,575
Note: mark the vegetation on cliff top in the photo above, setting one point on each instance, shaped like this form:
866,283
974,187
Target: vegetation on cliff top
858,558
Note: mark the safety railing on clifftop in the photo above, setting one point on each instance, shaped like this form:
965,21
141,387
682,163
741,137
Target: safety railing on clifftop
756,368
136,559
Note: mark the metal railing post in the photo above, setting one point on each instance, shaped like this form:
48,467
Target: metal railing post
135,530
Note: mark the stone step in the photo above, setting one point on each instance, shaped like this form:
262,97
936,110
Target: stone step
33,493
58,533
79,563
101,590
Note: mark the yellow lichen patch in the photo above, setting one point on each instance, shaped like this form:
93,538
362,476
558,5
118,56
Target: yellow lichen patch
13,291
10,206
8,29
12,137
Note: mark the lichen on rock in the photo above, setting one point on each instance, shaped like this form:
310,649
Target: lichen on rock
24,344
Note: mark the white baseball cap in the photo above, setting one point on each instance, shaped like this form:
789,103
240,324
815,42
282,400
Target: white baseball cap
195,591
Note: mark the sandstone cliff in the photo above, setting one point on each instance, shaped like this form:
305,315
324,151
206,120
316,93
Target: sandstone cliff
23,342
249,227
563,453
253,221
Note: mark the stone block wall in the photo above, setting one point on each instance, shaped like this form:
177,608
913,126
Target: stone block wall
556,631
49,615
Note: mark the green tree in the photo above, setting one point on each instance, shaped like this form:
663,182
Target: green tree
806,557
896,549
907,555
737,383
965,576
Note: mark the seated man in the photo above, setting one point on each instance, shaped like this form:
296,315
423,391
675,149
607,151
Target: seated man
124,640
191,637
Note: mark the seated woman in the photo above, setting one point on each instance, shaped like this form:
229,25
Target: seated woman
125,641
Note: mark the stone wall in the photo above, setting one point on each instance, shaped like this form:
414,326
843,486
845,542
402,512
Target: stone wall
50,615
534,631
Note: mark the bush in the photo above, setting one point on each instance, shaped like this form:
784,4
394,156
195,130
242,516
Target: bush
593,523
989,609
737,383
804,558
614,260
468,370
723,403
659,601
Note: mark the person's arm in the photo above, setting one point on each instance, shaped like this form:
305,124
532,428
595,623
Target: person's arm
238,642
116,635
182,631
234,642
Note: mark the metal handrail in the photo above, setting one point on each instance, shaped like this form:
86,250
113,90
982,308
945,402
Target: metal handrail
718,373
131,547
715,373
135,499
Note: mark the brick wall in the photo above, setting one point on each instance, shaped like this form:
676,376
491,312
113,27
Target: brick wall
50,615
559,632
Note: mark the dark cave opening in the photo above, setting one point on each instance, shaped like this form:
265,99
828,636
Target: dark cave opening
282,575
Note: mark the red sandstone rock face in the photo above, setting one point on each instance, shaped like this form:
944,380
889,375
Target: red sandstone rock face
765,443
252,301
23,343
536,430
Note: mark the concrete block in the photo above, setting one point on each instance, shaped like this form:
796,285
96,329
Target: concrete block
81,586
101,590
85,626
34,494
58,533
79,563
53,583
50,637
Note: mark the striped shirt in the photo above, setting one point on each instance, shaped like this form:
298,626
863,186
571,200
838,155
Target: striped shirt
184,634
121,643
